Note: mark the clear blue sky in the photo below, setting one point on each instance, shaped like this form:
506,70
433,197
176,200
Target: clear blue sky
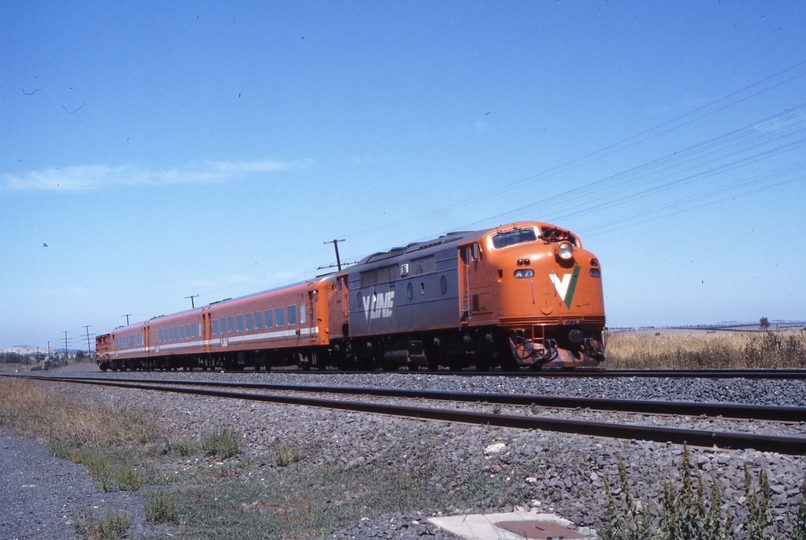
168,149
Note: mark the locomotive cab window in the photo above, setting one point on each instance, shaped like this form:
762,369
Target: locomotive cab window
470,253
513,237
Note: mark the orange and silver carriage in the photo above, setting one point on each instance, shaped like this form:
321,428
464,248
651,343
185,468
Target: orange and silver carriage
278,327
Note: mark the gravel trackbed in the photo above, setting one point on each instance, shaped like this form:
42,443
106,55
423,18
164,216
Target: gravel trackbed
40,493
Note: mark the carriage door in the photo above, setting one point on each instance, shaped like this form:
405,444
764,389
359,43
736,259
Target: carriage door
476,294
338,308
313,322
146,339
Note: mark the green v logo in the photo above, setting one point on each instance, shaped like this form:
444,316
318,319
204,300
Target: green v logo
566,286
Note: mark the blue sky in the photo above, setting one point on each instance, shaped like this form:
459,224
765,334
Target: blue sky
162,150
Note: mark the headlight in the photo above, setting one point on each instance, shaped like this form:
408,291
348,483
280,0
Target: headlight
565,251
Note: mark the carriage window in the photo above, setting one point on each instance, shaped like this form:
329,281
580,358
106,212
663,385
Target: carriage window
258,320
187,331
181,332
215,327
279,316
195,328
292,315
248,321
230,325
269,318
302,313
239,320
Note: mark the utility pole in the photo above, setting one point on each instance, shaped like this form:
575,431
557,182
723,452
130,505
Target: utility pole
192,303
67,341
336,245
89,350
127,318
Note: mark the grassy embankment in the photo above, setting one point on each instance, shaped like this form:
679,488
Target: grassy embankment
206,489
627,350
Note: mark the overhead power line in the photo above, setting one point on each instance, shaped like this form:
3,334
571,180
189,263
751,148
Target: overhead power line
724,102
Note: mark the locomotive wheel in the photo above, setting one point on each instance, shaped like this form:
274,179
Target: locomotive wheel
510,366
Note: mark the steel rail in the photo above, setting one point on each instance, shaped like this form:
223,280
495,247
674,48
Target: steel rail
778,374
784,373
707,438
679,408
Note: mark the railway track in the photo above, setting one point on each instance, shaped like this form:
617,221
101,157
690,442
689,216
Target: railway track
775,374
785,374
684,408
724,439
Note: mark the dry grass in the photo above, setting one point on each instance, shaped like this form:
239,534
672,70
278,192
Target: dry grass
55,417
707,351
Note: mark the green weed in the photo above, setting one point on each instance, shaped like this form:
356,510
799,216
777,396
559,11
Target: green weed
161,507
113,526
223,443
686,513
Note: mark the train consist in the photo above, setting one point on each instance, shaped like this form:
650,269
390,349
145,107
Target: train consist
520,295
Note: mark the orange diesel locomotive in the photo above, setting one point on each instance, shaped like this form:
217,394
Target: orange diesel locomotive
521,295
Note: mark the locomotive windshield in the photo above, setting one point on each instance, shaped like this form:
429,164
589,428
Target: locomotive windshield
515,236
